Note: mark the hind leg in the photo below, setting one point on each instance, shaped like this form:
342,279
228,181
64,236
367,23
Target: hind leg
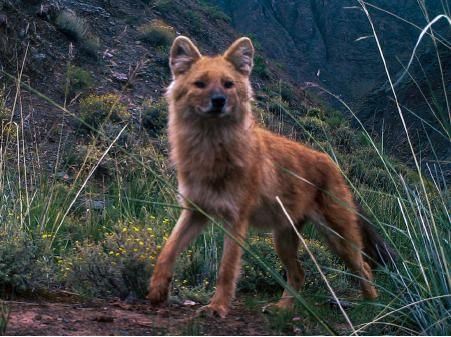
286,243
343,235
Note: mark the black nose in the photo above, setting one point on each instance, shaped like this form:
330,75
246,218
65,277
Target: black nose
218,101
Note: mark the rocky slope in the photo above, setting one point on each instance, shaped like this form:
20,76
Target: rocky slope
326,42
330,42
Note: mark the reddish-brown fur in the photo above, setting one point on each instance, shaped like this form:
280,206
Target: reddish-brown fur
233,169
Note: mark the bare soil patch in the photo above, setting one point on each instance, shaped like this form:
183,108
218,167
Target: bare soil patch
120,318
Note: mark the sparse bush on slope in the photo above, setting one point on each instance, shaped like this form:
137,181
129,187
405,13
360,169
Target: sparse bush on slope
157,33
77,29
97,109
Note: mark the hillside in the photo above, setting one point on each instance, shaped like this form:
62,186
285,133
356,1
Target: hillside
297,44
331,43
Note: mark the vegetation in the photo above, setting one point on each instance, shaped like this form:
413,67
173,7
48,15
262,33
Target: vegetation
78,80
77,29
72,25
154,116
4,317
157,33
214,12
97,109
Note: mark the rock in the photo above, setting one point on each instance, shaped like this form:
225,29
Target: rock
119,77
39,57
3,20
49,9
95,204
85,7
189,303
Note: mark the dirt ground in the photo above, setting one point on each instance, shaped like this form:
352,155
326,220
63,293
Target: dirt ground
120,318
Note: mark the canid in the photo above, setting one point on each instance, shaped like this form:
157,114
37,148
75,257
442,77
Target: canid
233,169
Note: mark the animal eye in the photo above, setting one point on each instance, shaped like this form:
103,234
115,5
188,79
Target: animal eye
228,84
200,84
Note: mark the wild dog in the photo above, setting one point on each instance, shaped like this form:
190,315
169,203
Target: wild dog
232,168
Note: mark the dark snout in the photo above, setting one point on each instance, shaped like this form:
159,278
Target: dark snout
217,103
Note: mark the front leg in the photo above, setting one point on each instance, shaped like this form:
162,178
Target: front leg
228,272
189,225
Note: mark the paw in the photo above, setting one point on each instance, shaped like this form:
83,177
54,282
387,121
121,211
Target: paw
370,293
159,290
213,310
285,304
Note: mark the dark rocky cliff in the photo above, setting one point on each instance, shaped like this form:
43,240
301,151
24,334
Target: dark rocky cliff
331,43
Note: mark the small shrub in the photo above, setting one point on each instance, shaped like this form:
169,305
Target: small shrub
263,115
215,13
78,80
77,29
91,45
89,155
119,265
336,121
165,6
9,131
278,106
72,25
282,89
196,22
312,127
5,112
333,118
344,139
96,109
16,260
157,33
154,116
21,265
260,67
255,277
286,92
316,113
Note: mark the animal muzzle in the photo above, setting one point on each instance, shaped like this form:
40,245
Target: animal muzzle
217,104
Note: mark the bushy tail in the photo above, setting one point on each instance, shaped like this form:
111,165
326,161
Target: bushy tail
377,251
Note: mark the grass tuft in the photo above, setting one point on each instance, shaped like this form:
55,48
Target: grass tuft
157,33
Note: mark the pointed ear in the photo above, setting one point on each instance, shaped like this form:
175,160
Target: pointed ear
183,55
241,55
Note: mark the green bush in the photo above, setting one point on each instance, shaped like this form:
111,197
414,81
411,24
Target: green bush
5,112
78,80
72,25
157,33
312,128
119,265
196,23
254,276
260,67
214,12
333,118
17,256
165,6
22,267
278,106
77,29
91,45
155,116
284,90
97,109
344,139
